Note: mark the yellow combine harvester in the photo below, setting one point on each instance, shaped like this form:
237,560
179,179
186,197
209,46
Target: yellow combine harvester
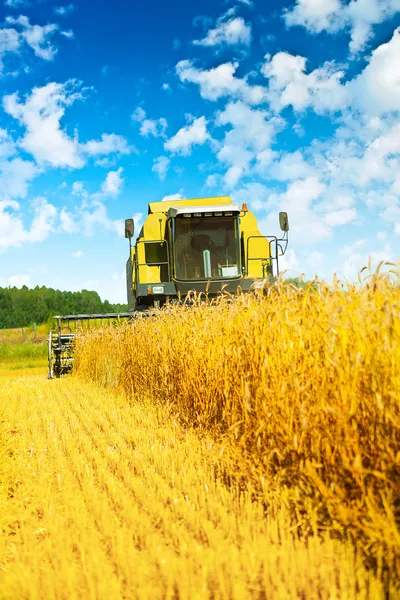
202,245
199,245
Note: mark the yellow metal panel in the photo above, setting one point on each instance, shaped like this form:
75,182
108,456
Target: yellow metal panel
255,247
161,207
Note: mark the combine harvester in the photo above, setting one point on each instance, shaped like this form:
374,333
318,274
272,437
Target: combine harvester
201,245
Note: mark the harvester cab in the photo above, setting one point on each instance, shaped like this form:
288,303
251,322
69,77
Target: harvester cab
202,245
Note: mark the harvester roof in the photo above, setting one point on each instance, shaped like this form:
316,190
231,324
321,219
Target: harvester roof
164,206
203,209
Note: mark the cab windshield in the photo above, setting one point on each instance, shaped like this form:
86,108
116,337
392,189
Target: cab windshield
206,247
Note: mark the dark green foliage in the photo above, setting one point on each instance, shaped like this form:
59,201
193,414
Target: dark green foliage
21,307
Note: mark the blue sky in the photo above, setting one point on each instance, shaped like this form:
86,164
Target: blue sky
105,107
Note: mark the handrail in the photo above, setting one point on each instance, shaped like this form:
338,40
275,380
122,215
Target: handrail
272,240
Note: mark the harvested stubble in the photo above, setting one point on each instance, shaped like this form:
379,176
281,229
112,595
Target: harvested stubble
303,386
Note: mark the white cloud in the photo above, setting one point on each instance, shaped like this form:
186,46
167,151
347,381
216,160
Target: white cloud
377,89
212,181
340,217
289,262
9,43
178,196
255,195
138,114
41,114
62,11
113,183
44,220
15,3
292,166
229,32
12,229
7,145
67,222
351,248
300,201
355,262
36,36
161,166
149,127
68,33
15,176
77,254
110,143
220,81
96,217
251,134
358,16
194,134
314,15
45,139
290,85
78,189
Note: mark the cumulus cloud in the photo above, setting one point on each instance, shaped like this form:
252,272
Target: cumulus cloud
220,82
62,11
377,89
149,127
290,85
314,15
13,232
250,135
36,36
161,166
178,196
194,134
113,183
45,139
340,217
15,176
67,222
15,3
41,114
357,16
300,201
228,31
9,44
109,143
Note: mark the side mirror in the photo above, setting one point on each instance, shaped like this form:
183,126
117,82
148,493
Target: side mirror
284,221
129,228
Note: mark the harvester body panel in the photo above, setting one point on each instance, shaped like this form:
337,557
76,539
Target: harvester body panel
200,245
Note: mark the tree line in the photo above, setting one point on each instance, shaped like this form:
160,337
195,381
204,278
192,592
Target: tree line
24,306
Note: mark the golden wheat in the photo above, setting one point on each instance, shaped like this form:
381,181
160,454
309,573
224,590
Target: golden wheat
303,389
108,500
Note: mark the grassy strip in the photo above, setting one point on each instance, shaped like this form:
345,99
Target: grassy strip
23,353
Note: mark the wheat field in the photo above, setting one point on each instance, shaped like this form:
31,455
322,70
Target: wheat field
244,449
